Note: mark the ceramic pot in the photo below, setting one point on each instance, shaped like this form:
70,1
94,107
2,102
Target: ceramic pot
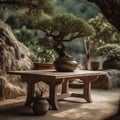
40,106
94,65
65,64
43,66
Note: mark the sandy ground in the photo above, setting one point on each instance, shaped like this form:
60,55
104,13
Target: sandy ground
105,103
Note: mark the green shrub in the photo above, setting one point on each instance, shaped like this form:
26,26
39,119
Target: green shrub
109,51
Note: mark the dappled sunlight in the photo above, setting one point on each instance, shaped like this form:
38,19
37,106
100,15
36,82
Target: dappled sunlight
73,113
105,103
86,111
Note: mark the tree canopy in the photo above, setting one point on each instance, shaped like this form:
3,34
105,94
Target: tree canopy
105,32
65,24
64,28
33,9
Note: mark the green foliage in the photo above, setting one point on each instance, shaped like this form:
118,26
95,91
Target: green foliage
30,39
68,23
61,25
46,42
42,9
30,15
109,51
33,10
63,28
81,8
43,55
105,32
26,36
76,46
17,21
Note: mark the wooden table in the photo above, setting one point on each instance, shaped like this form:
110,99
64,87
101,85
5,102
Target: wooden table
53,79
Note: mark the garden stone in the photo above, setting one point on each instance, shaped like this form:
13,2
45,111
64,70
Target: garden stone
2,87
108,81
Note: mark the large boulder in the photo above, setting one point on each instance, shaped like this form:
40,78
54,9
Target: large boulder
13,56
108,81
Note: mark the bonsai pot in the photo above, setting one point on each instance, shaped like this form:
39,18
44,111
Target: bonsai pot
94,65
43,66
65,64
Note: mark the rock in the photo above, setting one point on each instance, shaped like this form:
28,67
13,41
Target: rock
12,91
13,56
109,81
2,87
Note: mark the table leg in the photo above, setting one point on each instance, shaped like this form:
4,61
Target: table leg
53,97
65,86
87,87
30,93
87,91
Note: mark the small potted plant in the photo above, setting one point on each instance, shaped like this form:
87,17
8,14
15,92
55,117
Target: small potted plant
94,64
94,61
111,53
40,104
43,57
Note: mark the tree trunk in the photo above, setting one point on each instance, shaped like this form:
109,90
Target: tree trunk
87,52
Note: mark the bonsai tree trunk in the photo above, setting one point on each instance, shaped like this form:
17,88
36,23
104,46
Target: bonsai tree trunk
60,49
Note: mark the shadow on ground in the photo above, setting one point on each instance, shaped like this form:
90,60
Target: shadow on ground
105,104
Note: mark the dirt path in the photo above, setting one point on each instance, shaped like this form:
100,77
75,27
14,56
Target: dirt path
105,104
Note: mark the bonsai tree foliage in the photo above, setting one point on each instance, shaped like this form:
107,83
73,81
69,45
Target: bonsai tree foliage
63,28
109,51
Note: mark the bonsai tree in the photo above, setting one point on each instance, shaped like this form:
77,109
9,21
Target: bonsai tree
63,28
109,51
105,33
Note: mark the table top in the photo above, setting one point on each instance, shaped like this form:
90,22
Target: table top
58,75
